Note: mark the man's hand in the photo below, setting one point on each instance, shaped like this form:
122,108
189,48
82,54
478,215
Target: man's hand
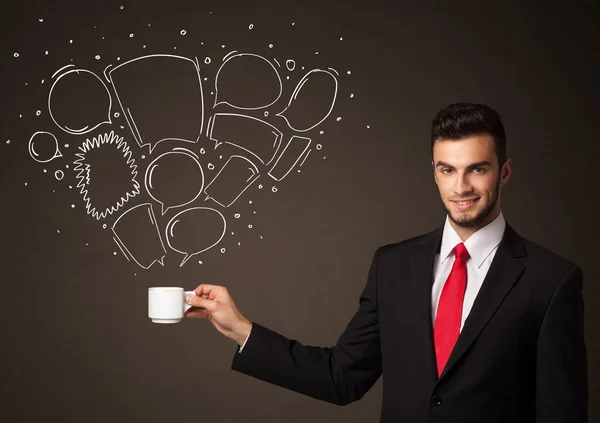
214,303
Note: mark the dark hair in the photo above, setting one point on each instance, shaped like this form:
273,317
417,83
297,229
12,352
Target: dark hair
460,120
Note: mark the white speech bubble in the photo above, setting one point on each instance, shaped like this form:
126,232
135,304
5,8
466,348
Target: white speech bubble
45,138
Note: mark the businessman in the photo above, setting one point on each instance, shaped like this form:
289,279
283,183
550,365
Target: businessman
469,323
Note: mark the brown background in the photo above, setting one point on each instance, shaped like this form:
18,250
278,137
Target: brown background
76,341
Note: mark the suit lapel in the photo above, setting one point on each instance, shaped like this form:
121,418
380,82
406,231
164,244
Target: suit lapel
421,280
502,275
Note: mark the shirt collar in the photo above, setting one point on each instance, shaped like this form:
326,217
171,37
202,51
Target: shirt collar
479,245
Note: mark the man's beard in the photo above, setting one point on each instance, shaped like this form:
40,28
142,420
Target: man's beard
476,220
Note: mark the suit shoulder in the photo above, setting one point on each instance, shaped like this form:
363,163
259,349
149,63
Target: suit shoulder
540,255
403,246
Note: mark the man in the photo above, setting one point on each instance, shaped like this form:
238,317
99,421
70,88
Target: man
469,323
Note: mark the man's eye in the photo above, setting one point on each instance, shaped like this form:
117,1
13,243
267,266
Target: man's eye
446,170
479,170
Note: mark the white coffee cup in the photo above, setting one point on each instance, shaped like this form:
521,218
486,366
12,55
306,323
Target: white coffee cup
166,304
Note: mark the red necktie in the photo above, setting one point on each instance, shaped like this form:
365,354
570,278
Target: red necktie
449,312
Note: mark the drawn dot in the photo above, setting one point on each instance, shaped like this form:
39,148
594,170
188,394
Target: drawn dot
144,46
261,237
59,174
130,35
118,58
39,112
16,54
67,166
260,186
223,46
232,233
143,156
121,7
270,45
368,127
222,250
250,226
41,20
237,216
45,171
104,226
114,253
97,57
339,118
288,77
8,141
202,151
20,115
42,81
250,202
319,146
290,64
58,231
102,37
254,212
117,114
211,166
183,32
316,52
349,73
266,113
121,126
70,41
341,38
351,95
199,262
205,78
274,189
293,23
321,132
46,52
207,60
220,157
239,243
250,26
212,93
25,183
70,187
324,158
66,145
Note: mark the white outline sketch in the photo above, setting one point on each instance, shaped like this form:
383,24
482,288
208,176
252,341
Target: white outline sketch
252,167
274,131
127,113
217,102
295,94
34,155
297,159
152,165
124,248
85,129
174,221
83,172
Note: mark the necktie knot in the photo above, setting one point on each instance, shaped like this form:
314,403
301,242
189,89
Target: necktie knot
460,252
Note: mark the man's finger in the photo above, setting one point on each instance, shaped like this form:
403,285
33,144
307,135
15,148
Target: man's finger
199,302
206,289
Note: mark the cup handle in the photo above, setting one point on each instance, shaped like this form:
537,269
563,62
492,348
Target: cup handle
186,306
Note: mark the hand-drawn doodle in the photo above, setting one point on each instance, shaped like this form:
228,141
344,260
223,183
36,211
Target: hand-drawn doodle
247,81
250,134
43,147
163,178
147,87
108,158
291,155
79,101
195,230
233,179
312,101
137,235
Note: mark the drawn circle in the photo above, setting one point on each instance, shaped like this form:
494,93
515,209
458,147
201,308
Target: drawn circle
211,166
250,226
59,174
222,250
39,112
183,32
270,45
290,64
321,132
339,118
237,216
104,226
130,35
43,147
266,113
260,186
97,57
250,26
207,60
319,146
117,114
16,54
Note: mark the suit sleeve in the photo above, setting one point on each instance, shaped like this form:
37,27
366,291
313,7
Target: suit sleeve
561,373
340,374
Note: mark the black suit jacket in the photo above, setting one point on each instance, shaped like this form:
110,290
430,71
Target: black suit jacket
520,357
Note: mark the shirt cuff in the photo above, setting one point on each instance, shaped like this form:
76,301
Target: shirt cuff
244,344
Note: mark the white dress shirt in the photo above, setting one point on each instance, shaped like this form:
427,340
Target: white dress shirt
482,246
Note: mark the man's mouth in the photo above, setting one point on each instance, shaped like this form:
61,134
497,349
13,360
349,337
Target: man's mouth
465,204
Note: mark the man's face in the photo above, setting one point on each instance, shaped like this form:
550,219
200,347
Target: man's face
467,170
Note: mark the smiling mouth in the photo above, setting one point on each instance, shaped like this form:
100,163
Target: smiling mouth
465,204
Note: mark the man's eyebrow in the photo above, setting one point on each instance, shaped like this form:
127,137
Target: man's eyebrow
471,166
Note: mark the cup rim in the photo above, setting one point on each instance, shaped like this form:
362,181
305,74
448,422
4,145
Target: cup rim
165,288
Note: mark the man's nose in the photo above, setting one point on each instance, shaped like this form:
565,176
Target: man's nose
462,184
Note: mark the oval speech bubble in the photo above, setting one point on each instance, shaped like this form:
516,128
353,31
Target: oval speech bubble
43,147
247,81
312,101
174,179
195,230
79,101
